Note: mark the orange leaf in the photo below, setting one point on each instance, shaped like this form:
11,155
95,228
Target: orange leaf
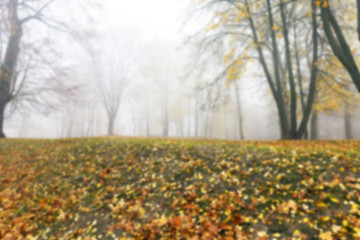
129,227
176,222
350,179
213,229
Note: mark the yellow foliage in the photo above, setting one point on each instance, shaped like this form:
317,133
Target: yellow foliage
332,86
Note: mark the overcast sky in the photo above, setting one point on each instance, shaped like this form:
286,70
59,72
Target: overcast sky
156,18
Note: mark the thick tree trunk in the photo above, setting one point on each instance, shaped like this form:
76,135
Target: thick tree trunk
347,123
9,64
2,116
286,133
293,101
275,86
111,126
306,134
313,76
299,76
314,126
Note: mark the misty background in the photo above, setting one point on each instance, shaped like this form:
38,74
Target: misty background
139,72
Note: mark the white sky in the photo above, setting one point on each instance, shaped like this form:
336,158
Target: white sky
155,18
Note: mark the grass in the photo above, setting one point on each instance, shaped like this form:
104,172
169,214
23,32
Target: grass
107,188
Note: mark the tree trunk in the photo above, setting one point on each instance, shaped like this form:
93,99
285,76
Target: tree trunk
306,134
133,119
9,64
165,124
196,115
189,119
314,134
275,86
90,126
165,131
147,116
313,76
2,116
358,17
239,112
293,101
276,59
207,124
166,113
347,123
147,125
70,126
111,126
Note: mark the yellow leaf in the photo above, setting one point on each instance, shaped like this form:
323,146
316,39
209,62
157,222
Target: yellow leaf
276,28
297,233
320,204
326,236
325,219
357,232
335,228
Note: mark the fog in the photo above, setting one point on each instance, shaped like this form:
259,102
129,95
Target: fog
139,72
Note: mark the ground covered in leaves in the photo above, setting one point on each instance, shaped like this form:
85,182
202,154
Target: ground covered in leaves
175,189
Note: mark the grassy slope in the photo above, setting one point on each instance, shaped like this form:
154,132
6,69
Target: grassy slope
174,189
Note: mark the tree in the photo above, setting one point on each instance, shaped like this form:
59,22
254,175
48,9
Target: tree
265,28
160,69
112,85
113,68
17,27
8,63
77,112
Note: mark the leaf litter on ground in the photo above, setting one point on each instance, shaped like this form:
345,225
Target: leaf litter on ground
108,188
